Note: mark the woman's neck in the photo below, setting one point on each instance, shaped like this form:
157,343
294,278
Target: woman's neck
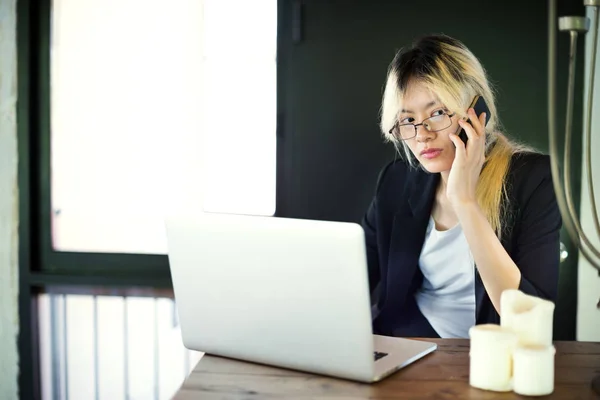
444,178
442,212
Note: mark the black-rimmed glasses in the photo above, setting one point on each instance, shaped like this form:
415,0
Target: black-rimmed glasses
432,124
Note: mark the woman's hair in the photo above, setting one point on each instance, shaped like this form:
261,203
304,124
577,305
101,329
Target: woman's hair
449,70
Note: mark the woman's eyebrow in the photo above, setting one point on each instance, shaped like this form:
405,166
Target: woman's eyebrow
428,105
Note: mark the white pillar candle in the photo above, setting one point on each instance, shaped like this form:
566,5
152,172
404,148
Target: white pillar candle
533,370
528,316
490,366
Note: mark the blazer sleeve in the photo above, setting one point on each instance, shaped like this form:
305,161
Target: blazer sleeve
369,225
538,242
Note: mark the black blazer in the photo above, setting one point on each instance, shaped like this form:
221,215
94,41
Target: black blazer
395,226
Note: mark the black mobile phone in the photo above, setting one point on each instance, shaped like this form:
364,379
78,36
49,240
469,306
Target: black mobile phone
479,106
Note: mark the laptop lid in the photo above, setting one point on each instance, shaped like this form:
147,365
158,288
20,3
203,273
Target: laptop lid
278,291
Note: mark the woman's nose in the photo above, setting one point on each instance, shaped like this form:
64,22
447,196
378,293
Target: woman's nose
423,134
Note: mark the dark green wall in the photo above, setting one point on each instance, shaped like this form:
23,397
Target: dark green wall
330,86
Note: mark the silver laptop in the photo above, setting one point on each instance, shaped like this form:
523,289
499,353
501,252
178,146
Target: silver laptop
285,292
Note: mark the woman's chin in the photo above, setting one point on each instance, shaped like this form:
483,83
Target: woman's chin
435,166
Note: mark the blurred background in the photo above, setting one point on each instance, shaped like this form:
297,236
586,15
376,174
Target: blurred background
130,109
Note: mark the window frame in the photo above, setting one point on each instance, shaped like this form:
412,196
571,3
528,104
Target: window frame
41,268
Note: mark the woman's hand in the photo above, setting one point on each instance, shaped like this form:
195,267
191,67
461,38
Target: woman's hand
468,161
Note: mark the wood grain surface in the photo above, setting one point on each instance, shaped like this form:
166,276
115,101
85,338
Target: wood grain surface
443,374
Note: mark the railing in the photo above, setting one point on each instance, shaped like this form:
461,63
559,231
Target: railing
111,347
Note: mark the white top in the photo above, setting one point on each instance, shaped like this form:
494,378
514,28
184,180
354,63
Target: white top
447,296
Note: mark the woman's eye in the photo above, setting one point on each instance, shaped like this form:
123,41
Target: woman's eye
438,112
408,120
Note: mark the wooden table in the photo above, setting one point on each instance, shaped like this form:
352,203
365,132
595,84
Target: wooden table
443,374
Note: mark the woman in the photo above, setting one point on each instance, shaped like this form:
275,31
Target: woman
452,225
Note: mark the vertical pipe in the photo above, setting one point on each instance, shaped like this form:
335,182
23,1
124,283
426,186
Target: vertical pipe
588,122
569,126
556,178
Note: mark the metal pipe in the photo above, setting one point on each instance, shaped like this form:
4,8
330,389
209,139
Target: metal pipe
573,25
588,123
570,219
556,179
568,133
567,153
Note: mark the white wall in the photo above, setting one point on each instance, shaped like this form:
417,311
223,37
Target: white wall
588,316
9,316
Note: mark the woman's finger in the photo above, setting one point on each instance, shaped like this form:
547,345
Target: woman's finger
468,128
459,145
476,122
482,119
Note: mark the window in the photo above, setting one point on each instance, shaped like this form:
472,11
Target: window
158,106
154,107
130,110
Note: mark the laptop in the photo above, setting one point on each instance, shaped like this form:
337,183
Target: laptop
290,293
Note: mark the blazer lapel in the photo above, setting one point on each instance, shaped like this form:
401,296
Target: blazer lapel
479,294
407,237
421,195
408,233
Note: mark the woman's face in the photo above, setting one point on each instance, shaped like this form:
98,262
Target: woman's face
434,150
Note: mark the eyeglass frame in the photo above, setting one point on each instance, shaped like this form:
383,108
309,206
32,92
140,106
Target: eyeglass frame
397,125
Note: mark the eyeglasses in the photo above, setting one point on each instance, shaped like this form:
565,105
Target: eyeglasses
431,124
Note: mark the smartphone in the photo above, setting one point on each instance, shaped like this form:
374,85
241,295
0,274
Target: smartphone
479,105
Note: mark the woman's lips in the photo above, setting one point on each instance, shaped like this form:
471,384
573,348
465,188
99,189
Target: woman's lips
431,153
